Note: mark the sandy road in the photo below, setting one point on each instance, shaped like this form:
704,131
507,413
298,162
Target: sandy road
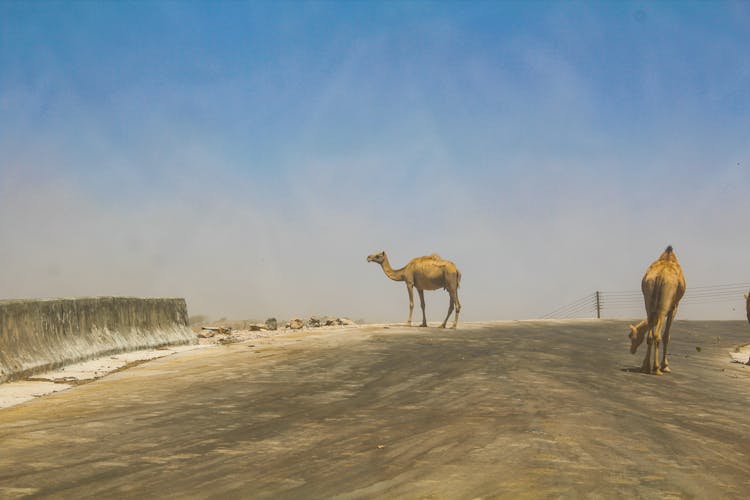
509,410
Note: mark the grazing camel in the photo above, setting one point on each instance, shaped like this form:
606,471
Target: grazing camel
663,286
425,273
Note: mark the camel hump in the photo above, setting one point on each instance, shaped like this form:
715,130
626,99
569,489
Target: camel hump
432,259
668,254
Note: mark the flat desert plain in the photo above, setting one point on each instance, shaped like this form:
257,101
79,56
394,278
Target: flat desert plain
525,409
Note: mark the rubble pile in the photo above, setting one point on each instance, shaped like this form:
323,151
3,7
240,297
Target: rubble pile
252,330
317,322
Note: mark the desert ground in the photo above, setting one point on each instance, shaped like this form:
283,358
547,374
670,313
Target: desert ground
526,409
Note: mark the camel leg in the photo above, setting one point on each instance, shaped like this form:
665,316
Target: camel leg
655,367
664,361
450,310
421,303
458,308
410,289
646,366
454,303
656,335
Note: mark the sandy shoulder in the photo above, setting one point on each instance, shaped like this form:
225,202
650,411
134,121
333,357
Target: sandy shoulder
17,392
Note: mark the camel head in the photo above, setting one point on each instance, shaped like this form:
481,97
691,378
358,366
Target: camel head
637,334
376,257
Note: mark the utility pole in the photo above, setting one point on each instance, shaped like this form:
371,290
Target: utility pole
598,306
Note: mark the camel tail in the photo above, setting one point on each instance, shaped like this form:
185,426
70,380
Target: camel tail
656,312
662,301
655,304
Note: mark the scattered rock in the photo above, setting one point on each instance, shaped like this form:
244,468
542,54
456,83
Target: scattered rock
245,328
222,330
318,321
314,322
329,321
207,332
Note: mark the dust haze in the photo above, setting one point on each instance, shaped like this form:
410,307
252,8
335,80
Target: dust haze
301,250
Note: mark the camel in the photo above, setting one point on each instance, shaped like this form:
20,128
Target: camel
747,308
430,272
663,286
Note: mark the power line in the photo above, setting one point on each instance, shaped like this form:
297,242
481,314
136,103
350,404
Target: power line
626,300
583,304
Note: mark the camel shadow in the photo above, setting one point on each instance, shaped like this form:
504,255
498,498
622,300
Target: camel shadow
637,369
631,369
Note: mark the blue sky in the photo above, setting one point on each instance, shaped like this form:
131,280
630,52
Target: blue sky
248,156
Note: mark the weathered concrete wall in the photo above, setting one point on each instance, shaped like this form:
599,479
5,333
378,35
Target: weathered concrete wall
39,335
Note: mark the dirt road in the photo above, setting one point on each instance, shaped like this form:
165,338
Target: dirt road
509,410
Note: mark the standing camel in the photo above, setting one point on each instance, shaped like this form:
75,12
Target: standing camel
747,309
425,273
663,286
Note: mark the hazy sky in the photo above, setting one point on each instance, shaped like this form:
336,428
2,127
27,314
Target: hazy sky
249,156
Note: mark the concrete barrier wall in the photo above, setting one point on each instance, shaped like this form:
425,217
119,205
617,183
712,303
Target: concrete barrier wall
39,335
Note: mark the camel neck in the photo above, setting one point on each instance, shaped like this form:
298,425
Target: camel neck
395,275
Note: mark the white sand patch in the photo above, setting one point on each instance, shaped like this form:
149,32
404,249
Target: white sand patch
741,355
14,393
97,368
